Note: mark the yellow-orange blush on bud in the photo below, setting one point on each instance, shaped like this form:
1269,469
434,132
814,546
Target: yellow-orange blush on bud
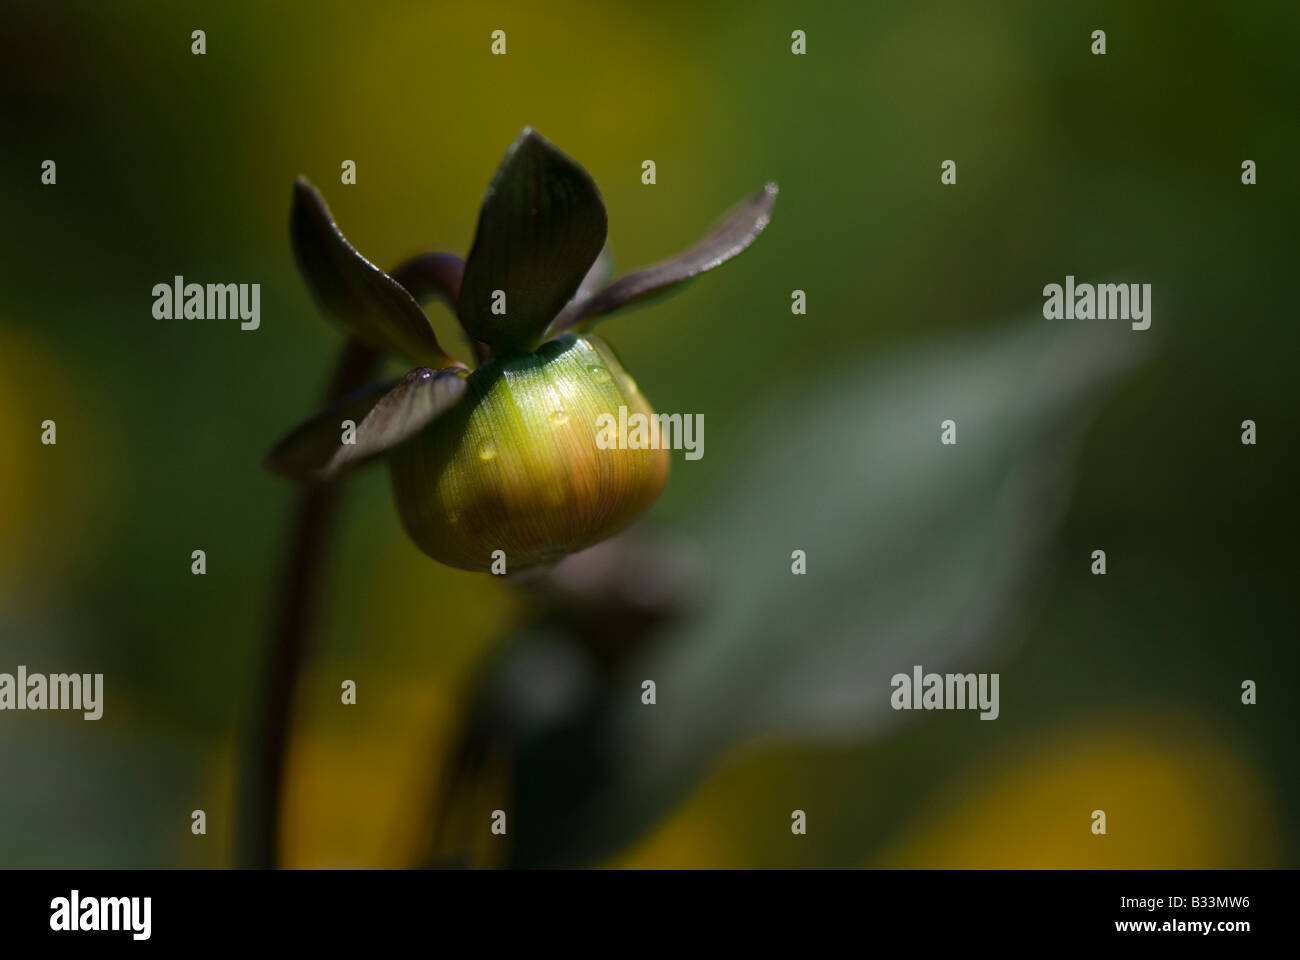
516,466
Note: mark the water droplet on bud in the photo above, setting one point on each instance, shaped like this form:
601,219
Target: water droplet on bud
517,465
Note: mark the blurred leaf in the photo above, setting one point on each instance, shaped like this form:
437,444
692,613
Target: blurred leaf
68,783
385,414
736,231
369,303
915,552
531,687
541,227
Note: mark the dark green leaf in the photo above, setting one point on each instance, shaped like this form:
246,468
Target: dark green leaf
917,553
734,233
385,414
541,226
369,303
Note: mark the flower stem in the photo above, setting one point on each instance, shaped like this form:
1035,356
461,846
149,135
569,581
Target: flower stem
266,752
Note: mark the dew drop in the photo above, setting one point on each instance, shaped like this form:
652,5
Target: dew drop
599,374
487,450
558,417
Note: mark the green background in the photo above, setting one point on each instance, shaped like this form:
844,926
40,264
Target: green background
1120,693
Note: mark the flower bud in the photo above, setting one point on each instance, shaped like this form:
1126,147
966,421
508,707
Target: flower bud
516,466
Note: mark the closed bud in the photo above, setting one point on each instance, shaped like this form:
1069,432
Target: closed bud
543,450
516,466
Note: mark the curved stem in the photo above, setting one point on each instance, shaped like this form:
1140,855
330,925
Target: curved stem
303,567
438,275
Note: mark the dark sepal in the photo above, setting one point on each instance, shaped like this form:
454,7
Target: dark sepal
734,233
541,227
385,414
370,304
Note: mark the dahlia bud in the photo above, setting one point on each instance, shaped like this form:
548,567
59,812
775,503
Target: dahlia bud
517,467
506,458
